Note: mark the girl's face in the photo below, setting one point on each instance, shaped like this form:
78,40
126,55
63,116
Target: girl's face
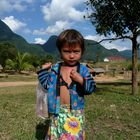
71,54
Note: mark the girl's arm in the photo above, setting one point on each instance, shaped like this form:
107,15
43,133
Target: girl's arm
43,75
89,85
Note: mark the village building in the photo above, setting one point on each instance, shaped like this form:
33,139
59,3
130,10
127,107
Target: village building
114,58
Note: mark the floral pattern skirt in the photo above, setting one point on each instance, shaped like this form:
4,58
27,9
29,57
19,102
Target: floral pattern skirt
68,125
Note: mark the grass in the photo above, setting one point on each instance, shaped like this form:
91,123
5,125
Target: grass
111,114
17,115
18,77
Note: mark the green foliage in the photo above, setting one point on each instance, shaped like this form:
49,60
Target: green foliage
111,16
120,17
7,51
19,63
26,61
10,64
47,58
32,59
129,67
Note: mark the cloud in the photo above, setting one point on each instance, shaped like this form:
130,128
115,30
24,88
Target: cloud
53,29
60,15
26,31
118,44
95,37
39,41
59,26
10,5
5,6
41,31
63,10
14,23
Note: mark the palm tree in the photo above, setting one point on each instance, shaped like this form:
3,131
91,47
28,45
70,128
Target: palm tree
19,63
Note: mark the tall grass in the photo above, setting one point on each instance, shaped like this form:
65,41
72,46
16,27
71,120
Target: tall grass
111,114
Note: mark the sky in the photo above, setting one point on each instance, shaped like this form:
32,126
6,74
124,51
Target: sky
37,20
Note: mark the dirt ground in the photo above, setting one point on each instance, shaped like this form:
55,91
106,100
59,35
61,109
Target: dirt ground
106,78
18,83
103,78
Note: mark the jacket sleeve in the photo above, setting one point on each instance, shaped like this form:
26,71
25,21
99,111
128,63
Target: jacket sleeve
89,83
43,76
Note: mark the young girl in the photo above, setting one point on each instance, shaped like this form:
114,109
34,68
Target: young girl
67,83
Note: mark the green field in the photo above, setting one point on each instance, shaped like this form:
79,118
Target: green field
111,114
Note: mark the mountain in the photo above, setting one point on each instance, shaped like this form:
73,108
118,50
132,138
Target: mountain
50,45
93,50
6,34
128,53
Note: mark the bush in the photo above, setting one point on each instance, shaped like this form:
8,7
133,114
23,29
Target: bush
129,67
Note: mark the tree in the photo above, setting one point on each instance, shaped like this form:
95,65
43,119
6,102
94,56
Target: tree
7,51
19,63
33,60
121,18
47,58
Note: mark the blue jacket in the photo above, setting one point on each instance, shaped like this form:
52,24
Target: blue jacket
50,81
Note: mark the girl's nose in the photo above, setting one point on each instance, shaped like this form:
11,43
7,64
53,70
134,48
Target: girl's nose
71,55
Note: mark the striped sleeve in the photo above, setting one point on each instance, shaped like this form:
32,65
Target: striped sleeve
43,77
89,83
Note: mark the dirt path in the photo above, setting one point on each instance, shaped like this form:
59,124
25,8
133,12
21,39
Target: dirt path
22,83
106,78
17,83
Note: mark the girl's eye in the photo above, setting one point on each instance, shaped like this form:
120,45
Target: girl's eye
67,51
76,51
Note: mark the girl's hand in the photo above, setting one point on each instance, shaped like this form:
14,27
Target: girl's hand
47,65
76,77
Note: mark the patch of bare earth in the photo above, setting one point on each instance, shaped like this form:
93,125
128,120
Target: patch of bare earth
106,78
18,83
103,78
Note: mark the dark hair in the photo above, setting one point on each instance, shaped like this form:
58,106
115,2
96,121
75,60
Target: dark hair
70,37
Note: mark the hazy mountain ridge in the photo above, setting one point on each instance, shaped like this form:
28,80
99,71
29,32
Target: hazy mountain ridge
128,53
93,50
6,34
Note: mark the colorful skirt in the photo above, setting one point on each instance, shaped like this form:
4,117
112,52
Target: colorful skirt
68,125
